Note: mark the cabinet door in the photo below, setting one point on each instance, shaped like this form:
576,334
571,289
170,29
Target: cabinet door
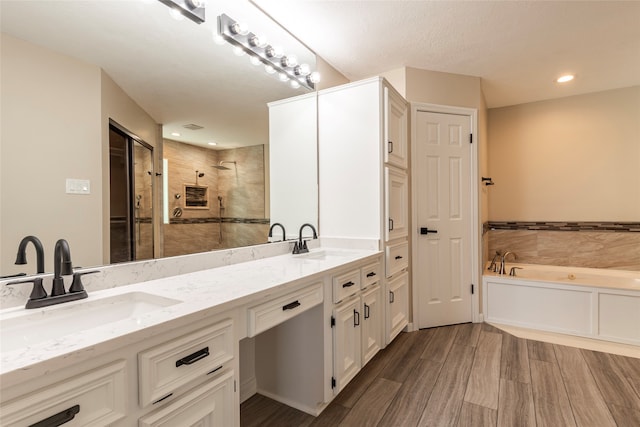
372,325
396,203
347,348
211,404
395,129
397,305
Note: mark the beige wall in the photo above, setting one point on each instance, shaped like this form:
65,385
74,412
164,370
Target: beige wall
568,159
49,101
116,105
329,76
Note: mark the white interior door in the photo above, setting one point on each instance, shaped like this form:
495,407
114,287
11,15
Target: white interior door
444,217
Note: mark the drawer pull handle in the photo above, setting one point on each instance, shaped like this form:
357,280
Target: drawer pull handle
60,418
193,357
291,305
398,257
392,297
348,284
367,311
390,224
390,147
356,318
371,274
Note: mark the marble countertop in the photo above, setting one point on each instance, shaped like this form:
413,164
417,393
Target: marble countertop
202,294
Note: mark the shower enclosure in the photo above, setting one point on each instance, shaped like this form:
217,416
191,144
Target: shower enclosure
131,196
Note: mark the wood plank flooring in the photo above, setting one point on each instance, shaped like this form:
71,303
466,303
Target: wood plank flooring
474,375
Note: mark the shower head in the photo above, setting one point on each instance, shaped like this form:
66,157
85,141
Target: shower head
223,168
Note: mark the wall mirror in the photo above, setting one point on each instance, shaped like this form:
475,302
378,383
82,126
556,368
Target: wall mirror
69,67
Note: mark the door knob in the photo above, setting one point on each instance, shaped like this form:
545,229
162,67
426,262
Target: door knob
425,230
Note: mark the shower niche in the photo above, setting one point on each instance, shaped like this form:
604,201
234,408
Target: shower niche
196,197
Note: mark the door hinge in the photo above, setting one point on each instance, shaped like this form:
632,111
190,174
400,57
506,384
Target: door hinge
333,321
472,290
333,382
470,138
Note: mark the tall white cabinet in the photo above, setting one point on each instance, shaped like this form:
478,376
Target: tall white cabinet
363,180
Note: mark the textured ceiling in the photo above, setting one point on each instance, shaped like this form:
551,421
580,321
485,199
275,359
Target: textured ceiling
518,48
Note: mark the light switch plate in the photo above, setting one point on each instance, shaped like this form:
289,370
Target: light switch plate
78,186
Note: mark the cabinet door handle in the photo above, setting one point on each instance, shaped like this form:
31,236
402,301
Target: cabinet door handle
390,147
367,311
60,418
291,305
371,274
193,357
398,256
348,284
390,224
356,318
392,297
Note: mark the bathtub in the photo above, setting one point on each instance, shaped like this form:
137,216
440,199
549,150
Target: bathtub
588,302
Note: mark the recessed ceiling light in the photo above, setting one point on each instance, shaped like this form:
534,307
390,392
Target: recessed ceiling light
565,78
175,133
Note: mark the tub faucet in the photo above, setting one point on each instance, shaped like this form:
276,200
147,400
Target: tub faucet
300,247
21,258
504,258
492,266
284,233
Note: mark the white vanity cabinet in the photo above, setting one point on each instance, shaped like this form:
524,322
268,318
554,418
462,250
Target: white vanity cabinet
97,397
356,323
363,177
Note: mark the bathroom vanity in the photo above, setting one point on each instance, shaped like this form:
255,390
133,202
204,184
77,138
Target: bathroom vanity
172,350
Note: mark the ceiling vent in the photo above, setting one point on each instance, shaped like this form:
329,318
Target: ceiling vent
192,126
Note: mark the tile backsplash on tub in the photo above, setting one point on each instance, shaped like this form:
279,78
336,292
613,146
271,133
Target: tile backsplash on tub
614,245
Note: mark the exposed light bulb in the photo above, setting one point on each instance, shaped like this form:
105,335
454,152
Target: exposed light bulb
258,41
194,4
269,69
283,77
295,84
238,51
218,39
565,78
176,14
212,143
278,51
289,61
254,60
175,133
302,70
239,28
314,77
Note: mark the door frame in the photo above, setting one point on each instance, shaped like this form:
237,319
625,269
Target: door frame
472,113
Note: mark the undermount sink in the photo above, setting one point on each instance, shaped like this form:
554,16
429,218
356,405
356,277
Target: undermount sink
24,328
323,255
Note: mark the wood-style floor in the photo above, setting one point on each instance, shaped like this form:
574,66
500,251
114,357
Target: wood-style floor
474,375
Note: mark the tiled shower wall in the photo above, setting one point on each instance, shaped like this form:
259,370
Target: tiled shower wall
240,222
614,245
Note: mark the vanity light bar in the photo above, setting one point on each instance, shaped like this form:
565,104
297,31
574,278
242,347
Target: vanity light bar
192,9
274,61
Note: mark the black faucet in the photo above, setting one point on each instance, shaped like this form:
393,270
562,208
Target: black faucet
284,233
21,258
300,247
61,266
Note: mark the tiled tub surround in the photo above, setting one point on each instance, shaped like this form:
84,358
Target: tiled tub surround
594,303
612,245
202,293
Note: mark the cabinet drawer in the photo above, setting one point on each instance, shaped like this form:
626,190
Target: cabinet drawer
396,258
370,274
281,309
167,368
345,285
210,404
95,398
